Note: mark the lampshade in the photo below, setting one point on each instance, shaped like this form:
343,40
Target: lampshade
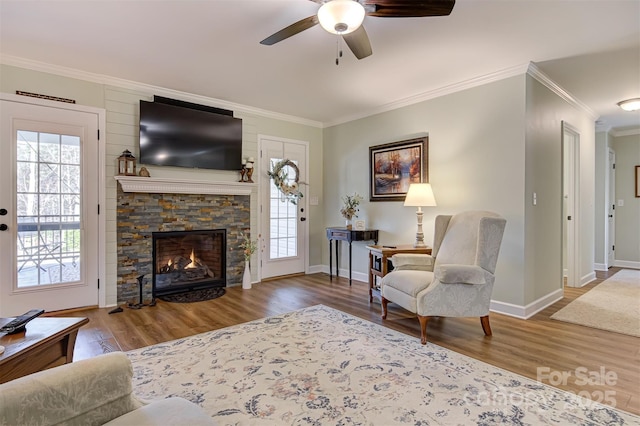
420,195
341,16
630,104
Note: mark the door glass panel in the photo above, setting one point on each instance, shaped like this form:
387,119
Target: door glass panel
48,208
283,219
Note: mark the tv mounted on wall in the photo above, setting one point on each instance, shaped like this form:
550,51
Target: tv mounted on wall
182,134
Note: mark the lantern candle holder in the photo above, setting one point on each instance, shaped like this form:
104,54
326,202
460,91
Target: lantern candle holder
127,164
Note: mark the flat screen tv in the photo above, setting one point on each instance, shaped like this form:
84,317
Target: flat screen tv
189,135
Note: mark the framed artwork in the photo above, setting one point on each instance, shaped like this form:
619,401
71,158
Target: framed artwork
638,181
394,166
359,225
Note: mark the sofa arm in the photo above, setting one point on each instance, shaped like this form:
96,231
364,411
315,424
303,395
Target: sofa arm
88,392
412,261
461,274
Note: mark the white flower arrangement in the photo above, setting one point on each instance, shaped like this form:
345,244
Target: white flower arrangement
280,177
350,208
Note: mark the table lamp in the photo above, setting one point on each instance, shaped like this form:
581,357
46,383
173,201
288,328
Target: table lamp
420,195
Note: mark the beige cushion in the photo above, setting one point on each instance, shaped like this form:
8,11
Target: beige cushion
409,282
412,261
171,411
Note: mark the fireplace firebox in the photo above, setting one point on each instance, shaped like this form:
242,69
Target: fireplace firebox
184,261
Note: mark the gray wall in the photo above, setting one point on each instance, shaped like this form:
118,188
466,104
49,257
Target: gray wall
490,147
545,113
476,161
627,253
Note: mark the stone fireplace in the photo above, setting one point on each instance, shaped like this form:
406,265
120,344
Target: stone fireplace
165,207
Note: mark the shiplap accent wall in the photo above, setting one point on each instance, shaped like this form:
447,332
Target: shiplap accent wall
122,132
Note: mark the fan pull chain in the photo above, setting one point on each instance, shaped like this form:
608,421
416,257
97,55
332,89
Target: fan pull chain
338,50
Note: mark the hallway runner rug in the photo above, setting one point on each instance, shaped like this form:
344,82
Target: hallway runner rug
613,305
321,366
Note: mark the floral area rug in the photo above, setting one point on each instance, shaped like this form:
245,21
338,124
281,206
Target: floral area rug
320,366
613,305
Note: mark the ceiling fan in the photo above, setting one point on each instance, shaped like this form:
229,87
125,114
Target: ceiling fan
344,18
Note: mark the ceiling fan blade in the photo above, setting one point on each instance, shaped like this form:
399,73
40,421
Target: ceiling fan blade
358,42
408,8
291,30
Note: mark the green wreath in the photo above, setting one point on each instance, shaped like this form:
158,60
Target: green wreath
281,180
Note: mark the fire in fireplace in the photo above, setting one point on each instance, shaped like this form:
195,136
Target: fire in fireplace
188,260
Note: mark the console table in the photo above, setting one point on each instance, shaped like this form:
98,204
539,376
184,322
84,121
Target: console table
379,262
47,342
348,235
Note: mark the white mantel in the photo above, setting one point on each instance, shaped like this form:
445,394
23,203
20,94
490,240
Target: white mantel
183,186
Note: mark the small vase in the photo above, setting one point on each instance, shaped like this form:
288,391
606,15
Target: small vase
246,277
348,223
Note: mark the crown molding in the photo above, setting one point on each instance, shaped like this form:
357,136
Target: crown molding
156,90
529,68
625,132
436,93
535,72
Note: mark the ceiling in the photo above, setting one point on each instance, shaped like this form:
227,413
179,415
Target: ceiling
590,48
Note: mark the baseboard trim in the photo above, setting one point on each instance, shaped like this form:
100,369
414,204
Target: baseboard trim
626,264
526,312
587,279
600,266
344,273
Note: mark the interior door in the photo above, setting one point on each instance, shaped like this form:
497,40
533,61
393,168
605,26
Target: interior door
284,226
570,211
611,210
48,201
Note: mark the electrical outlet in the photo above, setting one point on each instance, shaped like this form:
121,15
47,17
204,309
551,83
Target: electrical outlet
313,201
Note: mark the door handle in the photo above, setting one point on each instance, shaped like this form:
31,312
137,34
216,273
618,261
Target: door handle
3,212
3,227
610,215
302,219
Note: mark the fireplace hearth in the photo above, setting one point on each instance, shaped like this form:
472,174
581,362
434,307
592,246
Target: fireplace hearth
184,261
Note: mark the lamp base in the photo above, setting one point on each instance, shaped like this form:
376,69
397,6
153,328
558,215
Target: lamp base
419,235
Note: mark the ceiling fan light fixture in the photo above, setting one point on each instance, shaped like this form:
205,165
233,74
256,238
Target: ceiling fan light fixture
341,16
630,104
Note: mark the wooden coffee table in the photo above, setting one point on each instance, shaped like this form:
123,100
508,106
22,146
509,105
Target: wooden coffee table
47,343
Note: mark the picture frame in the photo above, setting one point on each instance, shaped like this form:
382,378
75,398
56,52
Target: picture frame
637,181
394,166
359,225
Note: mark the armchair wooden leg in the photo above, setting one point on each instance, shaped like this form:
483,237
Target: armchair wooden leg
384,302
485,325
423,328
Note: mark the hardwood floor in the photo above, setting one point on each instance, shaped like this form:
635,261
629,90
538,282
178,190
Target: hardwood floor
521,346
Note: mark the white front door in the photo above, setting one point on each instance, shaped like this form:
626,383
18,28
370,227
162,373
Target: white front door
283,223
49,206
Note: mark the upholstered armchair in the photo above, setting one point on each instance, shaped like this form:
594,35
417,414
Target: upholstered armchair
456,280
